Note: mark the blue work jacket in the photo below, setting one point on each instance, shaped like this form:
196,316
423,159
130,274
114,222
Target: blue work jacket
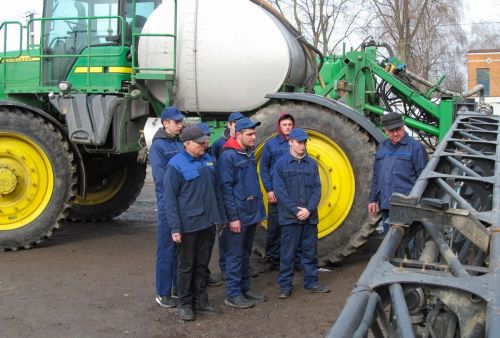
217,146
164,147
191,196
396,169
296,184
240,185
276,147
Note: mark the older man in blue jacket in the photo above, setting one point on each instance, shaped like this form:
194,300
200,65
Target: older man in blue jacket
165,145
297,186
245,210
194,207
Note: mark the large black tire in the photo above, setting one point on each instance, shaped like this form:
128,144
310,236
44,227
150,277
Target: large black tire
113,184
359,149
38,179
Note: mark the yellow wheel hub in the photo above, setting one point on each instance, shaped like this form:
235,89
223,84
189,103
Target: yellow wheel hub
26,181
337,181
105,190
8,181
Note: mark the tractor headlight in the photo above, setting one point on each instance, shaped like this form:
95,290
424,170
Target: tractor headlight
64,87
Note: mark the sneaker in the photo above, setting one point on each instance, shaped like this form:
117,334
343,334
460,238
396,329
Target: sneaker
252,295
211,281
166,301
185,313
207,308
317,289
284,294
239,302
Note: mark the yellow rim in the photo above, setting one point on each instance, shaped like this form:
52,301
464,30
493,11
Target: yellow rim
105,190
26,180
337,181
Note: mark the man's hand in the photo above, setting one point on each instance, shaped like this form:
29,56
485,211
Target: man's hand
303,214
235,226
271,197
373,208
176,237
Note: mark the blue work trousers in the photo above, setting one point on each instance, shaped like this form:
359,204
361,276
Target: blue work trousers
293,236
239,249
273,233
166,261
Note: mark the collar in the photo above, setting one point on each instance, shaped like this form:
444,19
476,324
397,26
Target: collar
292,158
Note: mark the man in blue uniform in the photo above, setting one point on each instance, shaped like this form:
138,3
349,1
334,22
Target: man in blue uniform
274,148
244,209
297,187
399,160
217,146
194,207
165,145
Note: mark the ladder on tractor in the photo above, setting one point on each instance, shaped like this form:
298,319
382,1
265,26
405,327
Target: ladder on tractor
437,271
155,73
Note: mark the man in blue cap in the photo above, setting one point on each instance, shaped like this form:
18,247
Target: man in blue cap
228,133
297,187
194,207
399,160
244,209
165,145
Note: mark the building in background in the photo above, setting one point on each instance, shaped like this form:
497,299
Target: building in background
483,67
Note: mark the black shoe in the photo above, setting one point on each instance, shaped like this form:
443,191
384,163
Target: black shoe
239,302
166,301
270,266
255,296
185,313
284,294
207,308
211,281
318,289
252,273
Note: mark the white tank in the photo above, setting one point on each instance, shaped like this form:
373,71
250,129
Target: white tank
230,54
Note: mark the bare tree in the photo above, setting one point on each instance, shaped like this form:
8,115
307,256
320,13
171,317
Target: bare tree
324,23
484,35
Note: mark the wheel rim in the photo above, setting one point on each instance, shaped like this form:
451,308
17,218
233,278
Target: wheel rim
104,190
26,180
337,181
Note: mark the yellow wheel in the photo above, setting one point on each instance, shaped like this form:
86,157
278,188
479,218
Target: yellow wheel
344,154
36,179
113,184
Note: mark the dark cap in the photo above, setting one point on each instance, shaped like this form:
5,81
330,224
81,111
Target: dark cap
205,127
392,121
195,134
235,116
172,113
298,134
245,123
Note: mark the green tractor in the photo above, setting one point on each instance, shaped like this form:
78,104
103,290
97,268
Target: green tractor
79,105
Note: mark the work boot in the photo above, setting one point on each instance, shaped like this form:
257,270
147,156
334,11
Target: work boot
185,313
239,302
284,294
254,296
211,281
207,308
317,289
166,301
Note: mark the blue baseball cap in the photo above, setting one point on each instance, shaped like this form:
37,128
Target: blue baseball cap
245,123
172,113
298,134
205,127
235,116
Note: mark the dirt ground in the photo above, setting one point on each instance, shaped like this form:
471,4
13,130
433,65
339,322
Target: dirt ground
97,280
